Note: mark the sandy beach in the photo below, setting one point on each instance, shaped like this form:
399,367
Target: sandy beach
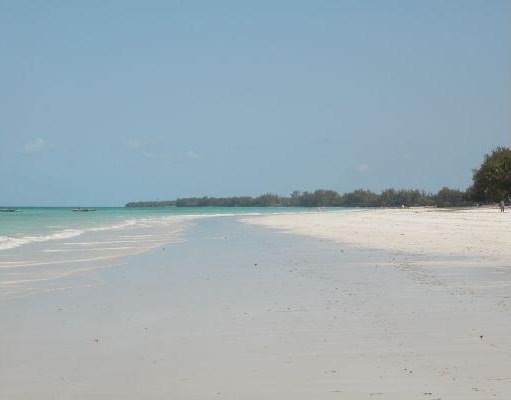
363,304
255,200
477,236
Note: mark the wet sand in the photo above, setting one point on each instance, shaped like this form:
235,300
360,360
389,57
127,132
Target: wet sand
240,311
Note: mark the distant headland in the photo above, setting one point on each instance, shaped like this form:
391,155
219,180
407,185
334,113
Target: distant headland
322,198
491,183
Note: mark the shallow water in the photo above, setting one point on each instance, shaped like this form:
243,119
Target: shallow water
32,224
45,249
237,311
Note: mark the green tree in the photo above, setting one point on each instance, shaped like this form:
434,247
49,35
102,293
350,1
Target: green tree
447,197
492,180
361,198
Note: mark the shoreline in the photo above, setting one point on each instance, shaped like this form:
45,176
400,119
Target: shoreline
242,311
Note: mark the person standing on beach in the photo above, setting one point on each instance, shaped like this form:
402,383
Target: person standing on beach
502,206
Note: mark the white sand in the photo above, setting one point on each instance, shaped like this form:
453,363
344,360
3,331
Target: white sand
456,266
483,234
247,313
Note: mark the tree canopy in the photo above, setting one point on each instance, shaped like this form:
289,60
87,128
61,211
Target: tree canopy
323,198
492,180
491,183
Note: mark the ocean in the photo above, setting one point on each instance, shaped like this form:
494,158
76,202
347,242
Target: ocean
49,249
40,224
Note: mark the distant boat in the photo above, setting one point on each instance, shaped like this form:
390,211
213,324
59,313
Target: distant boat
83,209
9,210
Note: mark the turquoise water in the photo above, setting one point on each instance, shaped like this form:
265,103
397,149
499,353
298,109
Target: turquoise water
40,224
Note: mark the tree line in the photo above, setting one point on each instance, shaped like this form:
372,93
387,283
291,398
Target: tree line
491,183
323,198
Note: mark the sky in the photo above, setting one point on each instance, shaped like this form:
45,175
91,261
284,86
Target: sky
105,102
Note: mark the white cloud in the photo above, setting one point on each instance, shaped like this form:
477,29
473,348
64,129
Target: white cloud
149,154
162,156
35,146
161,153
363,168
193,155
133,143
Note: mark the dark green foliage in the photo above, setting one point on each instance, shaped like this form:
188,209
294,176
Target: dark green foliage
492,180
164,203
451,198
407,198
361,198
323,198
318,198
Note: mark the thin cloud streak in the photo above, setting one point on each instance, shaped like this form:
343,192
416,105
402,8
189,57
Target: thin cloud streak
35,146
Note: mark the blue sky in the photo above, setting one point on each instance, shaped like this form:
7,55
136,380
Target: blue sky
104,102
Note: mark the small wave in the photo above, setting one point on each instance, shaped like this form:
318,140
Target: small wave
93,249
101,242
125,224
24,264
8,242
12,242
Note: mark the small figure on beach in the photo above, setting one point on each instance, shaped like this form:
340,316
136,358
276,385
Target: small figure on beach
502,206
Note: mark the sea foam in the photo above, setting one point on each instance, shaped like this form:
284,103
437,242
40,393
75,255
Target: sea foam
10,242
7,242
